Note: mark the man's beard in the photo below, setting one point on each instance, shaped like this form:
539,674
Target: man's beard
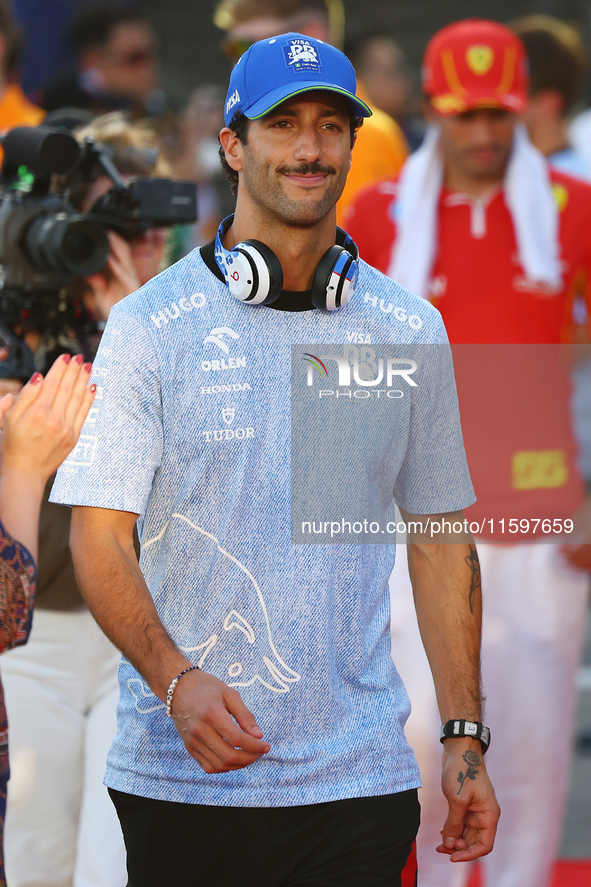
263,185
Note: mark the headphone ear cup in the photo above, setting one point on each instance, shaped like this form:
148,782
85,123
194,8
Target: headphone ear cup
332,280
274,271
242,275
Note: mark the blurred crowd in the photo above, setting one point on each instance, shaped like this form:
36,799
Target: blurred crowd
61,687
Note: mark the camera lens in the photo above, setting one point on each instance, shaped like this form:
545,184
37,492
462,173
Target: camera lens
70,244
78,245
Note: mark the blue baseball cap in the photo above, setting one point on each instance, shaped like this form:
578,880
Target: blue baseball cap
275,69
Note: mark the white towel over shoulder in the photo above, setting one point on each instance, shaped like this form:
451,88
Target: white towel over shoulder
529,198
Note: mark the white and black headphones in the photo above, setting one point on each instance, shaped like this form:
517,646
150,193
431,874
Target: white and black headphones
254,274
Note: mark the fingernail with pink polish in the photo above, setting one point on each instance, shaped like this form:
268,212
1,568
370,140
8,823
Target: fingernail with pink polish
79,358
35,378
66,358
87,367
93,388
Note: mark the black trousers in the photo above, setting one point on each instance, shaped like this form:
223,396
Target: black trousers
358,842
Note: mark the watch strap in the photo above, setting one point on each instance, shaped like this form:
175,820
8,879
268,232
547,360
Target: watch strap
472,729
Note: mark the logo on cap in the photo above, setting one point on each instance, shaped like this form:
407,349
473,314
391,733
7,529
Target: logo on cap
480,59
300,55
233,100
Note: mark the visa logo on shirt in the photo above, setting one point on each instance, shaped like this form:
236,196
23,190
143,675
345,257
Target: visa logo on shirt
358,338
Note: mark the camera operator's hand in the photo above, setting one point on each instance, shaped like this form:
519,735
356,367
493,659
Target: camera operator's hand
120,281
40,429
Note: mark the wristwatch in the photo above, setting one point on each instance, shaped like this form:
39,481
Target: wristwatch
473,729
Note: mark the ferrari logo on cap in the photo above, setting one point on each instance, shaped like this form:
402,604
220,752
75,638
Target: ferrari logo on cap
480,59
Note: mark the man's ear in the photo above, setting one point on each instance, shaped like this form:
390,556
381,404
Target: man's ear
233,148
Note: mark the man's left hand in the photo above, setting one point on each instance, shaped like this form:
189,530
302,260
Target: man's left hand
471,824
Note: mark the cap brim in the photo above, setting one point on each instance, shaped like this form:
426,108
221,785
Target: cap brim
276,96
451,104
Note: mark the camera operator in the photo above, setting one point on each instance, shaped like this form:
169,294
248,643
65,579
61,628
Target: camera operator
132,262
61,689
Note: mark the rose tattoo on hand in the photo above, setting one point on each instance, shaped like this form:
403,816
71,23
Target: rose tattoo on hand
473,761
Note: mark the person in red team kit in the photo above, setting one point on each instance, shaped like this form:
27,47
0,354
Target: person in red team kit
478,224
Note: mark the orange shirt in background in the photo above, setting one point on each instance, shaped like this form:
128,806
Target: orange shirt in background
379,153
17,110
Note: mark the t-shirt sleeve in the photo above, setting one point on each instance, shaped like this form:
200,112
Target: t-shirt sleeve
120,446
434,477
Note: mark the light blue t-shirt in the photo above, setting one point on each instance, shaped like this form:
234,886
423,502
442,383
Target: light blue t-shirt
191,430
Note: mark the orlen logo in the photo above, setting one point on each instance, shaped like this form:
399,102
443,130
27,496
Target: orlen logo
348,367
216,337
400,314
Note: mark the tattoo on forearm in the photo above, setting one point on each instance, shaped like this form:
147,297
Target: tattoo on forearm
474,564
473,761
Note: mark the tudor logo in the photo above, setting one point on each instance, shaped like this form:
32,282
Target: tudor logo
228,415
217,335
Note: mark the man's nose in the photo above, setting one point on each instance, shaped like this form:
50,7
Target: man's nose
307,147
482,133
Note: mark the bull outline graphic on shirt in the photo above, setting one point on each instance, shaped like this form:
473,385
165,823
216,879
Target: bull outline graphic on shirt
278,671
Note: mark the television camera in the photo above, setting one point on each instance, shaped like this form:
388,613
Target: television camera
45,243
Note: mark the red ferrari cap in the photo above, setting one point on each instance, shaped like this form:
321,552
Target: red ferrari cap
475,64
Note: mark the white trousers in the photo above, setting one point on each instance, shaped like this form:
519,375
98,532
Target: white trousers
533,630
61,697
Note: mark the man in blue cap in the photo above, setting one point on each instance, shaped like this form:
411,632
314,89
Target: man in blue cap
260,734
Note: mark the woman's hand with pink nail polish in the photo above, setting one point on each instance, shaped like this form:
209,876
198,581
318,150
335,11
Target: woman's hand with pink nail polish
44,423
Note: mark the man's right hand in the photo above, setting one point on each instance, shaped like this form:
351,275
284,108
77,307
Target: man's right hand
217,728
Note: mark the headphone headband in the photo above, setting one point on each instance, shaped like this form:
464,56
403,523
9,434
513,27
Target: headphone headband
254,275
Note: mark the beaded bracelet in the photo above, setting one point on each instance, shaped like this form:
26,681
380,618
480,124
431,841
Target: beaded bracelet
171,689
